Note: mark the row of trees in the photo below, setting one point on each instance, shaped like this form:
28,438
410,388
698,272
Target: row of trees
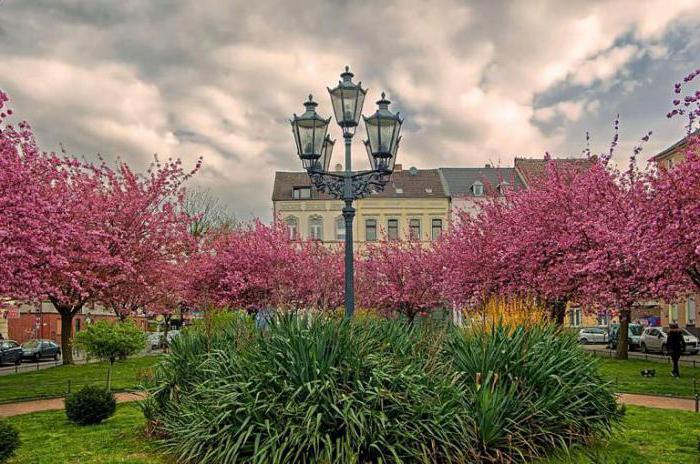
75,232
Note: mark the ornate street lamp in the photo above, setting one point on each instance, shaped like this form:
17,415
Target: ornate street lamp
315,148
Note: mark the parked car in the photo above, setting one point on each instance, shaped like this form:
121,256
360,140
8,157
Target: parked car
37,349
634,333
10,352
592,335
654,339
155,339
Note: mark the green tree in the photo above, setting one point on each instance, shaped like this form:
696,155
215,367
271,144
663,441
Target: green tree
110,341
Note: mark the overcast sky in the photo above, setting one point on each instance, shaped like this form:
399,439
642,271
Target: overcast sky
477,81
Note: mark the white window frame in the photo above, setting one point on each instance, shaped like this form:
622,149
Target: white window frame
367,221
388,229
316,228
340,231
292,223
410,229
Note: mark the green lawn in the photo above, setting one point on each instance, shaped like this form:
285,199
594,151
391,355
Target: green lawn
54,381
627,378
647,436
48,437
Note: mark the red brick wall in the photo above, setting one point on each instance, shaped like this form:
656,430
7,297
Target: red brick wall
48,326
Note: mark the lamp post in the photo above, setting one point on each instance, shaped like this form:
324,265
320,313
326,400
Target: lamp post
315,147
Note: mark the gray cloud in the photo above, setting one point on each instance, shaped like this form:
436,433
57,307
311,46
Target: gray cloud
477,81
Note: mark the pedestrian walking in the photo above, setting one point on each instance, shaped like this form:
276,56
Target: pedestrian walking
675,345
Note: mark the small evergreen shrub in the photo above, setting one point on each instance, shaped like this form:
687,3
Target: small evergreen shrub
9,440
90,405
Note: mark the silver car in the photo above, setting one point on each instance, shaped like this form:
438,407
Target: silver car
592,335
654,339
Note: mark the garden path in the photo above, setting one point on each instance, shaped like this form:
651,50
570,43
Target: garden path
26,407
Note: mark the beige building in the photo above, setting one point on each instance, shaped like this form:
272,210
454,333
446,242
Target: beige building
684,312
413,203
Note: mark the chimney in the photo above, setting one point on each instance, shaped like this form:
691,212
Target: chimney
487,165
397,167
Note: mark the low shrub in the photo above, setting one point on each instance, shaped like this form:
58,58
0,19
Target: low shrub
90,405
9,440
372,390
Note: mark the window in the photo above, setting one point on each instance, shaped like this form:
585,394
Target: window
316,228
392,228
371,230
340,228
292,227
575,317
669,163
301,193
673,313
414,229
503,187
436,228
690,311
477,189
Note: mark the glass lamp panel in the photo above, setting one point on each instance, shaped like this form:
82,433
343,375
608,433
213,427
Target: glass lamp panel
327,153
372,162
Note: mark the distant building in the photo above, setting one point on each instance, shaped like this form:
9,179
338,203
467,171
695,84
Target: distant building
469,188
25,322
684,312
412,204
531,169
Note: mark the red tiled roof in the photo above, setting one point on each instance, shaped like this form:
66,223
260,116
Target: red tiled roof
532,168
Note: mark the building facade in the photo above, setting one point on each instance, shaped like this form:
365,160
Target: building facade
684,312
469,188
27,322
412,205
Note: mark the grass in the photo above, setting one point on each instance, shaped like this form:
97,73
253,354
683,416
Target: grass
647,436
48,437
627,378
53,382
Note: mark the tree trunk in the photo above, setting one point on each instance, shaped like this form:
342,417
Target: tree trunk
67,336
67,314
557,310
109,374
622,336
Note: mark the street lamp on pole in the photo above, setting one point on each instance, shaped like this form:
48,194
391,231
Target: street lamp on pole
315,147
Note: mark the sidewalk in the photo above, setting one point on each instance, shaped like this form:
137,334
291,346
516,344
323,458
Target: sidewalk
26,407
660,402
649,401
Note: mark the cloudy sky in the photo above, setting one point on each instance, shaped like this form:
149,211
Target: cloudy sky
477,81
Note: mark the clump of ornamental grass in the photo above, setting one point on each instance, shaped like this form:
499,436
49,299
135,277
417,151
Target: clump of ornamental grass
318,390
532,390
373,390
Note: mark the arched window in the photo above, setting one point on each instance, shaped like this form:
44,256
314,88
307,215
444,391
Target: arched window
315,228
292,227
340,228
477,189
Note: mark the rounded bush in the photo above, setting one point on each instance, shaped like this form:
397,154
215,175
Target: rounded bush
9,440
91,405
330,391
